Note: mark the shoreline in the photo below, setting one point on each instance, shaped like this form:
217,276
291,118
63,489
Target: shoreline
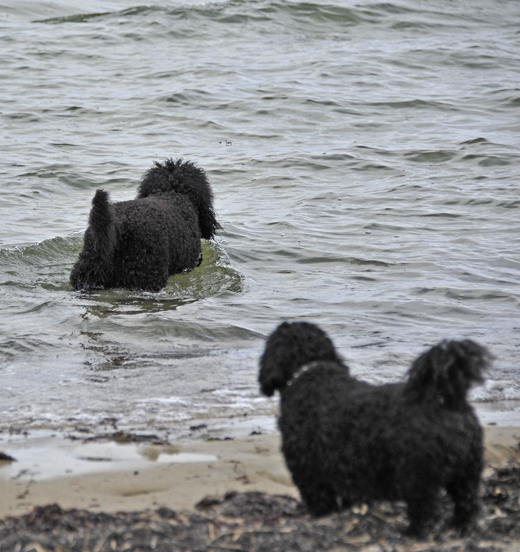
110,477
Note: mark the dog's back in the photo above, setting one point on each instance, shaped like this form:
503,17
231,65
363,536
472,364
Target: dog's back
151,248
334,430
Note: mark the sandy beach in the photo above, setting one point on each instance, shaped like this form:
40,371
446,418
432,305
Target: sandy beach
231,494
118,478
129,477
113,477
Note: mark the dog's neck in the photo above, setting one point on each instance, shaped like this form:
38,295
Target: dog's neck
302,370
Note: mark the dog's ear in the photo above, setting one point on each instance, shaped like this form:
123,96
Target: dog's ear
196,186
207,220
271,377
446,372
290,347
274,369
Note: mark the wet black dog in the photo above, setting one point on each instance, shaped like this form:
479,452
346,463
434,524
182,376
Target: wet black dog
139,244
348,442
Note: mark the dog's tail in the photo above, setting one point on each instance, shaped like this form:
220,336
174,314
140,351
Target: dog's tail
183,177
445,373
101,226
290,347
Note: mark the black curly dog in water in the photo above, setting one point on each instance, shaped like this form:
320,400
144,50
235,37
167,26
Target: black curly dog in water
348,442
139,244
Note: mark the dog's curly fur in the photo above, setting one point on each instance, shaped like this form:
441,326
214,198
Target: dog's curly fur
348,442
139,244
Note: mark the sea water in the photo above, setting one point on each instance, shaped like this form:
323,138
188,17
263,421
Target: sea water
365,163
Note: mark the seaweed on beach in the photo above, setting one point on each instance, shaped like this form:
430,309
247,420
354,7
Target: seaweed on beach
258,522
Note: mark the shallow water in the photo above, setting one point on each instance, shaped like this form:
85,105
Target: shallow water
365,164
40,458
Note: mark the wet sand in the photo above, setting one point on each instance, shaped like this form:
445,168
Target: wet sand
175,480
134,477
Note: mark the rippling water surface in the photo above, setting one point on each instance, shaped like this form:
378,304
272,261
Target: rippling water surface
365,163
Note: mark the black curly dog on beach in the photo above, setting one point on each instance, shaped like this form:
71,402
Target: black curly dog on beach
348,442
139,244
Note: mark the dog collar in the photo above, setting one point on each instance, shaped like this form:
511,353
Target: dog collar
302,370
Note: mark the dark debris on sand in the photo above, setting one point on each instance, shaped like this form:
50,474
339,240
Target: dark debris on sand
256,522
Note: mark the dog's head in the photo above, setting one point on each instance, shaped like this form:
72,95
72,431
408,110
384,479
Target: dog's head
183,177
288,348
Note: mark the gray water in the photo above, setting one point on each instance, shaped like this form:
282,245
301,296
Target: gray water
365,163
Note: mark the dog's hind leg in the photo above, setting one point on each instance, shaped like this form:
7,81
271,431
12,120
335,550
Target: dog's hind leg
320,499
463,484
465,494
